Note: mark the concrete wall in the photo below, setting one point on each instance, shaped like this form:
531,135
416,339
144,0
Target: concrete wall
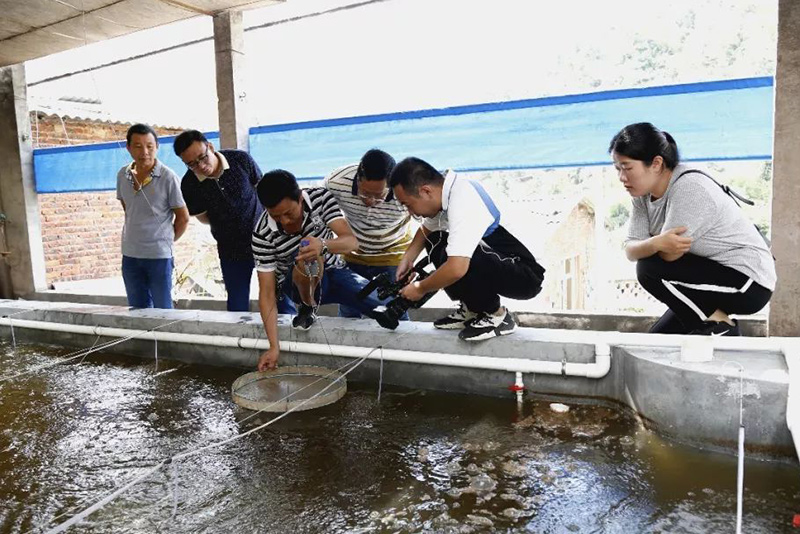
750,326
18,200
692,402
82,232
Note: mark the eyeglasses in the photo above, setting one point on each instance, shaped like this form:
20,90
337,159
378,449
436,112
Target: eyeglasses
375,199
199,161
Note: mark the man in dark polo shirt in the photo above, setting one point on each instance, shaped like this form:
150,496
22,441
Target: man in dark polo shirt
220,190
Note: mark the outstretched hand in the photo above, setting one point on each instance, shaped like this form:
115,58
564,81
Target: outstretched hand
269,359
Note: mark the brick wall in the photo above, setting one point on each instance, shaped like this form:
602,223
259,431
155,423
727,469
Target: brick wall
52,130
81,232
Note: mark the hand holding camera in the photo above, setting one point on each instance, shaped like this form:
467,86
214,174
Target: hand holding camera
389,316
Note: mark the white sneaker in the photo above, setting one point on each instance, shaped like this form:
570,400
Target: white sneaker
487,326
456,320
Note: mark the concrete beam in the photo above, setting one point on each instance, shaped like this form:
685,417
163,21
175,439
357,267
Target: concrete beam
18,199
234,124
36,28
784,316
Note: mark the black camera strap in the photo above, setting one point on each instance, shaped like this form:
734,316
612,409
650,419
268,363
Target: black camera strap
736,197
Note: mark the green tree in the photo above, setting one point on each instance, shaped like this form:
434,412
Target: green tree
618,215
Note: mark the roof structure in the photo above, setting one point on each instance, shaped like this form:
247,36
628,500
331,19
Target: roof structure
36,28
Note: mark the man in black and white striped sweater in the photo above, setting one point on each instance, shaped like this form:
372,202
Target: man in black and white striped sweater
296,253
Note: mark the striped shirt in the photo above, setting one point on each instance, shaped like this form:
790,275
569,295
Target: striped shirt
719,229
275,250
383,231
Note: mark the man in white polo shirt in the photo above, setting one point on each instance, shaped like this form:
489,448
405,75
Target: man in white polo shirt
476,259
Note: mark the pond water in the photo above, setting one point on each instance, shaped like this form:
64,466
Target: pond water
414,461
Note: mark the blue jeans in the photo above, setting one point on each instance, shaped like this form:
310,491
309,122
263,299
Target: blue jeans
148,282
237,275
339,286
369,272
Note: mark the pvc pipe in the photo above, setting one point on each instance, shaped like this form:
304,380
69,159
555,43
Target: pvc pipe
519,385
740,482
598,369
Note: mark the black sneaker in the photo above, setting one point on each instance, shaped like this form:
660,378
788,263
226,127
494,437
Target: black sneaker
717,328
456,320
305,318
486,326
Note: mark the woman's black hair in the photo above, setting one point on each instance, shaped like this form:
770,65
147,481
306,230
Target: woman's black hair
643,142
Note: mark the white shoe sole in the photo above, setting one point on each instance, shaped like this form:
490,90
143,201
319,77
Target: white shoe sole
490,334
451,326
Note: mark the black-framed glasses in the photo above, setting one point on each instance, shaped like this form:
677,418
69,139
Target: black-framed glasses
199,161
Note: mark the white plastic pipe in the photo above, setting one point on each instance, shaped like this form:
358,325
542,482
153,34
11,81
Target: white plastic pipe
598,369
740,481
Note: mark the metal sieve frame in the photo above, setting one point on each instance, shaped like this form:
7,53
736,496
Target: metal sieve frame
332,395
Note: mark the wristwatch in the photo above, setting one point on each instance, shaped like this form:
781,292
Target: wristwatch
324,247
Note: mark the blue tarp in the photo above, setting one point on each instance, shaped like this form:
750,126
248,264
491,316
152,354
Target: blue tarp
94,167
715,121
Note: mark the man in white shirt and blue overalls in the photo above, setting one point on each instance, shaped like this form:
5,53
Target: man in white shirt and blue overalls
477,260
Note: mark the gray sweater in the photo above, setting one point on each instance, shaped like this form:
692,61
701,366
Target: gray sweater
720,230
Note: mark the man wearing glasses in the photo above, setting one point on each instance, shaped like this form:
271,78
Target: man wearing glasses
378,220
220,190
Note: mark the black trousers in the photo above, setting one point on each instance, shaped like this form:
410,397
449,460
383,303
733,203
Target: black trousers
503,266
694,287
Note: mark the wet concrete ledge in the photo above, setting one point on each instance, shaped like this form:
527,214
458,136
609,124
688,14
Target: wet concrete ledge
696,403
755,326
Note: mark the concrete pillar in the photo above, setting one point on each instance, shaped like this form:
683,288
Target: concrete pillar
784,315
234,125
18,200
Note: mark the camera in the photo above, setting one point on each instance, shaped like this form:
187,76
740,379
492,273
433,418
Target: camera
389,316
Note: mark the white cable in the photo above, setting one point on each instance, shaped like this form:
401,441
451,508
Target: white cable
740,456
13,337
83,352
105,500
180,456
90,348
380,377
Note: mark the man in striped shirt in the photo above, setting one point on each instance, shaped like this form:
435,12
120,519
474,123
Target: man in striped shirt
380,223
294,245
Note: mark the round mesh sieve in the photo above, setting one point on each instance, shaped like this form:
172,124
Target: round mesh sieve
286,388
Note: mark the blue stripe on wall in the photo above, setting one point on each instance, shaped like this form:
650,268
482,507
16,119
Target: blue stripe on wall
722,120
94,167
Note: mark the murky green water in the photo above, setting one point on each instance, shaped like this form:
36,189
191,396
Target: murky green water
414,462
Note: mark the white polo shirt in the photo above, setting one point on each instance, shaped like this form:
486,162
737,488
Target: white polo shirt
466,215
